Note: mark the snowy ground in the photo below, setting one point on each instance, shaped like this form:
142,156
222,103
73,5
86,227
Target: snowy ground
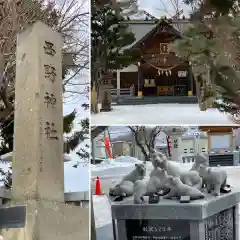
110,172
159,114
75,179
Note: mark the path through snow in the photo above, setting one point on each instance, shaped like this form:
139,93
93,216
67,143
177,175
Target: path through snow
160,114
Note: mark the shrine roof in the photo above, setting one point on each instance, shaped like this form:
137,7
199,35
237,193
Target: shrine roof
142,29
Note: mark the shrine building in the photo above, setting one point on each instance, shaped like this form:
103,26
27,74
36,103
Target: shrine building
158,72
223,144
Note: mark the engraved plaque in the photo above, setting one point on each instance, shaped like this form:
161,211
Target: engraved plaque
220,226
12,217
152,229
164,48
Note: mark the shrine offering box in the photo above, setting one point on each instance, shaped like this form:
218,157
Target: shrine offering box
212,218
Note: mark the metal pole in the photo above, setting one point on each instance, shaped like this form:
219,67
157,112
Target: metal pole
105,135
138,78
93,150
93,226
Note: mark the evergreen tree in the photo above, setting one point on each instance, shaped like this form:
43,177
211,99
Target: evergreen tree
210,7
109,38
83,151
70,143
211,44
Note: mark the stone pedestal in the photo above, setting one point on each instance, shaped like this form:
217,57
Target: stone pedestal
106,100
105,92
213,218
48,220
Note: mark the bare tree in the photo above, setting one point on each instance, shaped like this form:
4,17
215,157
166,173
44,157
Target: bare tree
67,18
171,9
145,138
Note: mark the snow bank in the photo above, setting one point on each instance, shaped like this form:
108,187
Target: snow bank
76,179
121,165
116,168
111,171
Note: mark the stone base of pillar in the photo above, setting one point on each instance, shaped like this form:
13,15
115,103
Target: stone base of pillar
106,101
49,220
106,109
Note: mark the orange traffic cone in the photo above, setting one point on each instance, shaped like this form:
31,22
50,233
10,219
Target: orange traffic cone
98,190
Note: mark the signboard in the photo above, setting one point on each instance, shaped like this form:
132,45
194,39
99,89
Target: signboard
182,73
175,143
221,226
164,48
220,143
12,217
152,229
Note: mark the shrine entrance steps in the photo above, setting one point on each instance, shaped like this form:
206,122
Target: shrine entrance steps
129,100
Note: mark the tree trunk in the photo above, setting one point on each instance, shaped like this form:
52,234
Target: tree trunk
94,101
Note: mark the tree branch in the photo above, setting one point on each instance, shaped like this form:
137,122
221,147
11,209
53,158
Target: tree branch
136,135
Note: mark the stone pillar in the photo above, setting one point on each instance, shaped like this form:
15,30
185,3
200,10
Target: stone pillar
195,145
38,123
176,143
176,135
118,83
105,92
38,174
191,80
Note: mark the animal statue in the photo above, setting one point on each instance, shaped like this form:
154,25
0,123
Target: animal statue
137,174
214,178
139,190
161,177
146,187
200,159
160,160
153,185
125,189
179,189
192,179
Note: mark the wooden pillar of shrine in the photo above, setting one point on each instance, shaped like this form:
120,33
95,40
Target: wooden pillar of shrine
140,81
118,83
190,76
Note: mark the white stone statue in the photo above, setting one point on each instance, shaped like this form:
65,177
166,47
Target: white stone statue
214,178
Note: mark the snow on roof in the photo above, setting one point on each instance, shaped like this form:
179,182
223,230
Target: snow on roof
141,27
140,15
